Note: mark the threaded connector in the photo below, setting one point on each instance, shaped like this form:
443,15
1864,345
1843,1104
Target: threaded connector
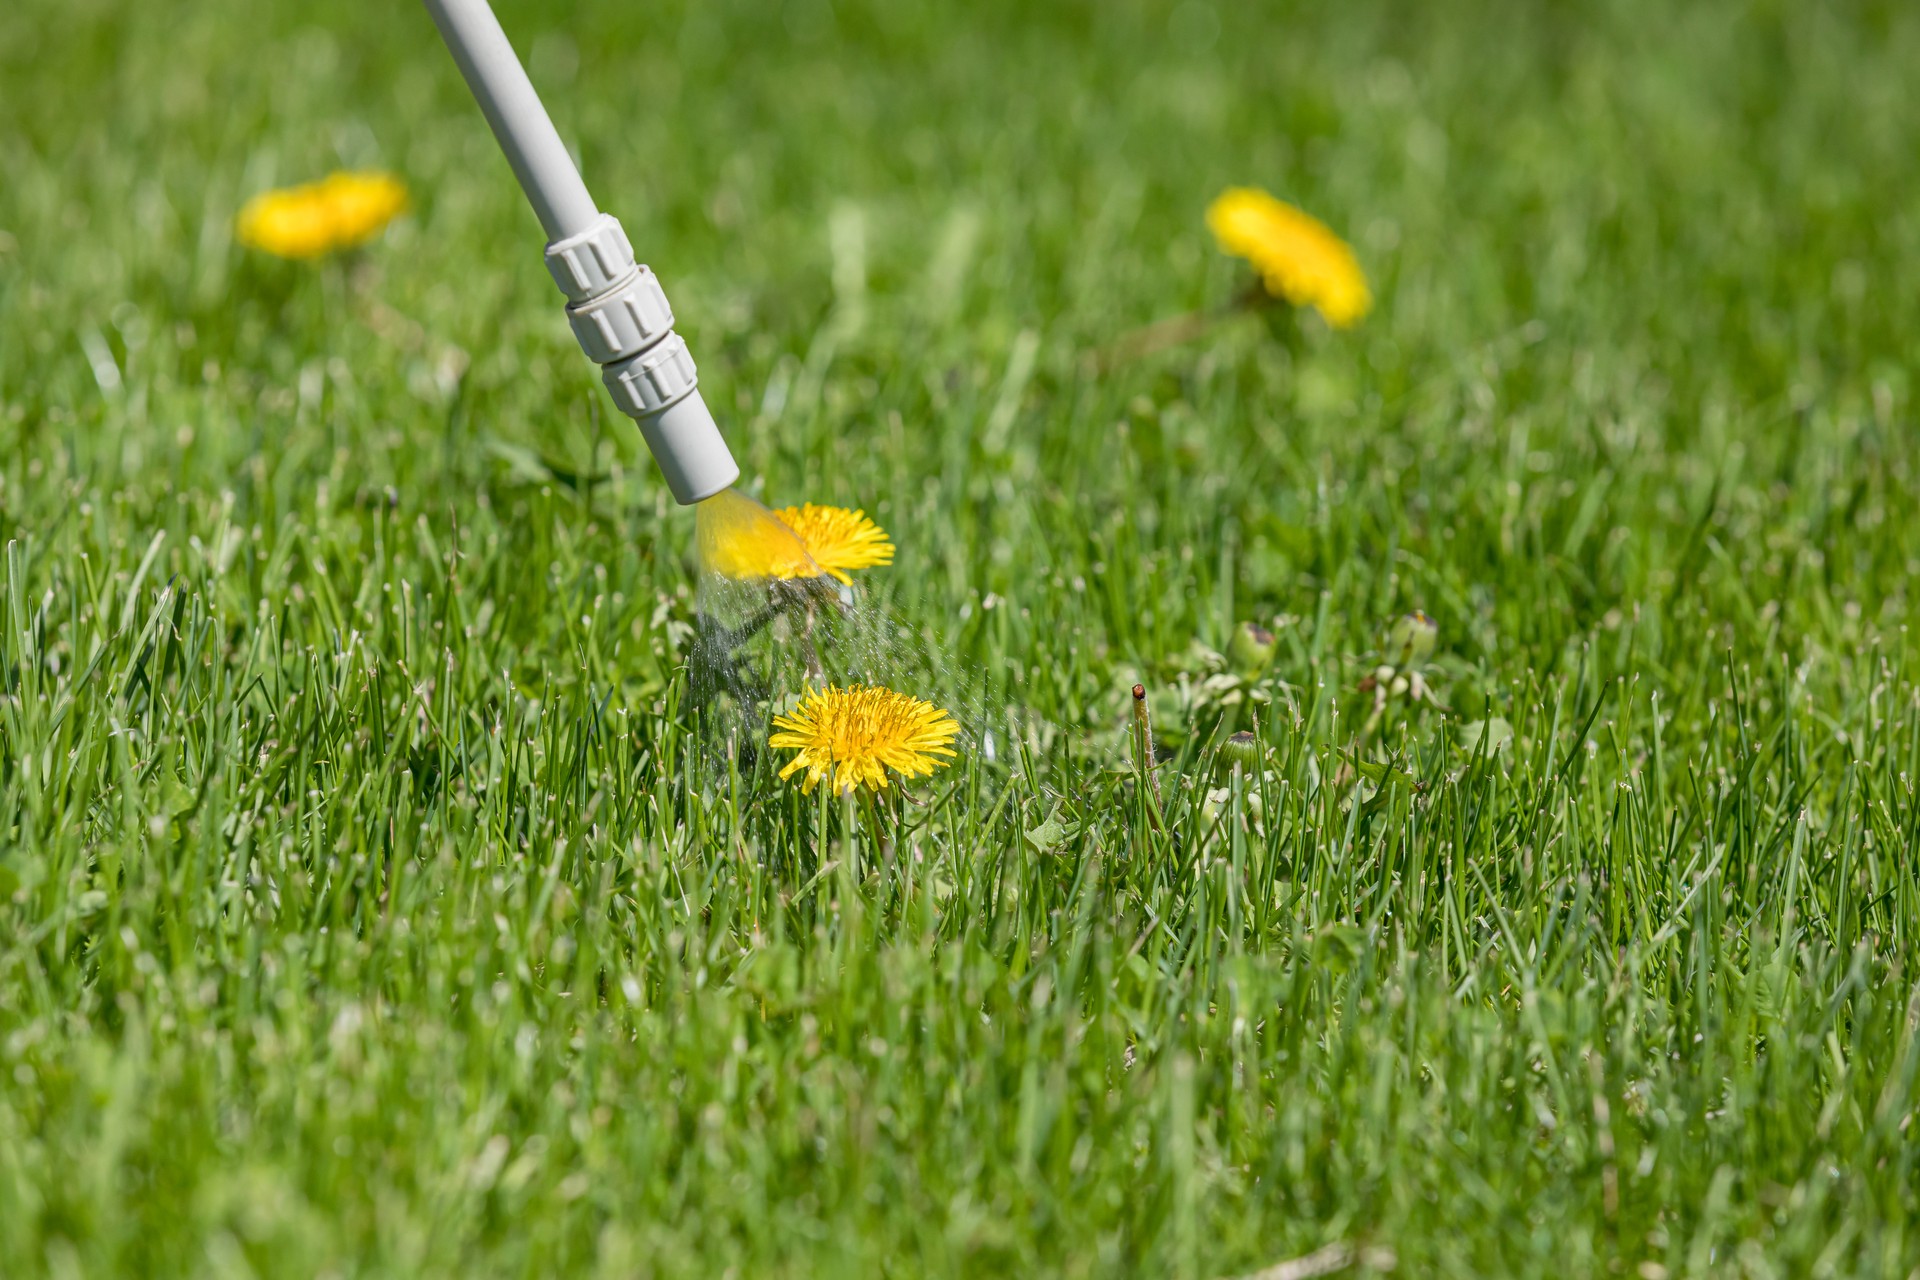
622,320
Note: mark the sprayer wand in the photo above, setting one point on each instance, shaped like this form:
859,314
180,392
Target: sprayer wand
615,305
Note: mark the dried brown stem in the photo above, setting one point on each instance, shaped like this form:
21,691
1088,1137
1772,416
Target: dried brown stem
1143,733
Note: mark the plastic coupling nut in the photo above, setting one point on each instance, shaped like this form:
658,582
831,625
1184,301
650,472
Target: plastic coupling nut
592,261
623,322
649,382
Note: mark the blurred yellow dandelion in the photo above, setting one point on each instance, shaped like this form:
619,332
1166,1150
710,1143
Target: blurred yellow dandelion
839,539
338,212
1298,258
854,735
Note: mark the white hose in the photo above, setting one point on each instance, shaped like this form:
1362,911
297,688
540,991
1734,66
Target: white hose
617,309
519,121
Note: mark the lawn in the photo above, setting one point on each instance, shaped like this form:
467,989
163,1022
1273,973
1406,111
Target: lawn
381,896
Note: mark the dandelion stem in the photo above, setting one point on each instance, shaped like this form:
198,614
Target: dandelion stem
731,638
882,846
1177,330
1158,336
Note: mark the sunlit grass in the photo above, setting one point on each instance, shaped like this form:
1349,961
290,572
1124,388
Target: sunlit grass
374,900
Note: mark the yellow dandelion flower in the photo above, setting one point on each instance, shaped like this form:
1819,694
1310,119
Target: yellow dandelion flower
839,539
1297,257
338,212
854,735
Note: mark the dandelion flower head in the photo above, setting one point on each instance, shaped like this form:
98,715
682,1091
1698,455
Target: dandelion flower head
742,540
338,212
1298,258
839,539
854,735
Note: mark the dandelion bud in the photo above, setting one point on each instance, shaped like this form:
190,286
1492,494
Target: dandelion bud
1242,749
1251,648
1412,639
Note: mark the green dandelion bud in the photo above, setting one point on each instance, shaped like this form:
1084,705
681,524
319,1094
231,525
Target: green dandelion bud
1242,749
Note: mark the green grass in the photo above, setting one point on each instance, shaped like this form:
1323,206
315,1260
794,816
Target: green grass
373,904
